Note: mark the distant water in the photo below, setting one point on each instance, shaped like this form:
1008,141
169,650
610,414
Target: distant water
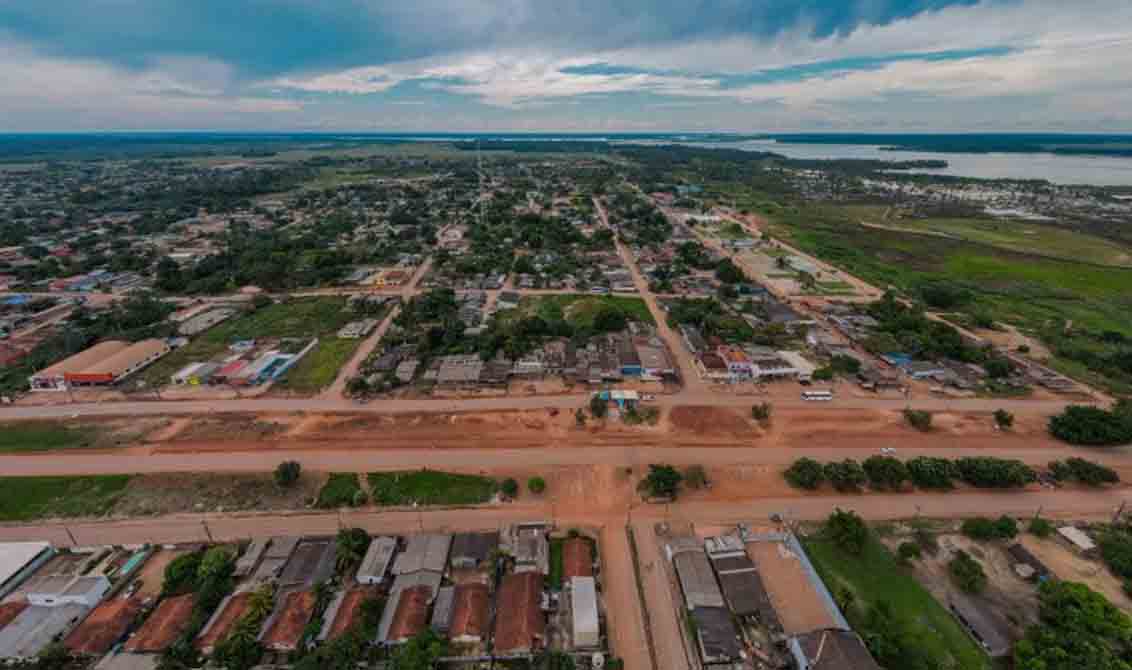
1055,168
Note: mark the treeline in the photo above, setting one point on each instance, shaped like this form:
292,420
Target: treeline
1093,426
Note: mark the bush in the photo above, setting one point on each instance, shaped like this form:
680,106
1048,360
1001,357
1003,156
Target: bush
1039,527
1116,550
663,481
846,476
822,374
1000,473
287,473
695,477
761,413
340,490
967,573
598,408
928,472
510,487
1003,419
847,531
885,472
984,529
919,419
805,473
1092,426
536,485
909,551
1086,472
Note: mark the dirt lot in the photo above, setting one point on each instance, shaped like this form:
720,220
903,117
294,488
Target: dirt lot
1067,564
712,421
214,492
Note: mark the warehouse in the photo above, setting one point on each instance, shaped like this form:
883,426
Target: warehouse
19,560
54,377
584,614
118,366
375,564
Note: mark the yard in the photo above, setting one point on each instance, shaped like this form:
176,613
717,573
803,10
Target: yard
874,577
26,498
429,487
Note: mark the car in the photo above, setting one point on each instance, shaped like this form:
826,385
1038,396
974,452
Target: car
648,396
888,451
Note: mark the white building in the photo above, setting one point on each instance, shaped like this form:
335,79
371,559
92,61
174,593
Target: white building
376,562
583,610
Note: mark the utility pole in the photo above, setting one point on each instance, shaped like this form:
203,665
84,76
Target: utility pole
204,523
71,536
1119,511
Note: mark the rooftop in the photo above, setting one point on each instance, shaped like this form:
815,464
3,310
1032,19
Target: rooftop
577,558
520,595
290,618
105,625
832,650
411,613
469,611
163,626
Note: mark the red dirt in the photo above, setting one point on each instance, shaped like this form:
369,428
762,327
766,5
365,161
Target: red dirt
104,626
715,421
295,614
350,611
163,626
233,610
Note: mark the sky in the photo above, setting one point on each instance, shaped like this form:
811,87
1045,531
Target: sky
566,65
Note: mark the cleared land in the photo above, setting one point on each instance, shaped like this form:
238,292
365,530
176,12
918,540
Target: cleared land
873,577
579,310
429,487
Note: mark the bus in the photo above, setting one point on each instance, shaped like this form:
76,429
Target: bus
824,394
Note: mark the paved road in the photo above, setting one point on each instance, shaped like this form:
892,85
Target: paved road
389,457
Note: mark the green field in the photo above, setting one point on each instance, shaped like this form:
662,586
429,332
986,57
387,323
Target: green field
26,498
302,318
340,490
320,366
874,576
579,309
429,487
17,437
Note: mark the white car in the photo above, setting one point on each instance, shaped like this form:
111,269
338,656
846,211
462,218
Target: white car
648,396
888,451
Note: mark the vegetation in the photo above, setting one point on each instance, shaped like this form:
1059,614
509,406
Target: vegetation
1116,550
419,653
536,485
241,649
989,472
847,531
430,487
984,529
886,473
1040,527
208,576
919,419
1081,470
928,472
27,498
351,545
1079,628
1003,419
805,473
45,436
846,476
662,481
902,624
967,573
509,488
909,551
599,408
341,490
1093,426
287,473
762,413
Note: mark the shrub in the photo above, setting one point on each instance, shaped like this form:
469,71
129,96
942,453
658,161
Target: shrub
984,529
1092,426
663,481
695,477
1086,472
536,485
919,419
340,490
1039,527
287,473
989,472
509,487
761,413
928,472
909,551
1003,419
967,573
805,473
885,472
1116,550
846,475
598,408
822,374
847,531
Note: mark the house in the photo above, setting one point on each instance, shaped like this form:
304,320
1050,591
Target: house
425,552
577,558
770,365
472,550
470,613
584,613
831,650
375,564
62,590
712,368
522,630
697,580
530,548
692,338
738,363
410,614
36,627
923,369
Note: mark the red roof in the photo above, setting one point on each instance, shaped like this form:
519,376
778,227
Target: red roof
577,558
469,611
350,611
233,610
104,626
9,611
163,627
520,597
411,615
294,615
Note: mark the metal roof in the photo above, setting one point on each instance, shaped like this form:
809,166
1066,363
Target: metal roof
424,552
583,610
377,559
36,627
697,580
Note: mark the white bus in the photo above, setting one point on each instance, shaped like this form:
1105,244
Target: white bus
824,394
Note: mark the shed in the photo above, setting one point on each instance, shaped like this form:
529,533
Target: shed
584,613
1077,537
375,564
982,624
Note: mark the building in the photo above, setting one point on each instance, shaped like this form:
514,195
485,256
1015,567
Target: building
712,368
248,561
226,616
529,546
803,368
103,364
54,377
1077,537
697,580
442,610
584,613
577,558
284,629
355,330
104,626
425,552
983,624
194,374
409,614
1027,565
738,363
472,550
19,560
163,626
36,627
61,590
831,650
199,323
470,613
523,629
375,564
344,611
716,636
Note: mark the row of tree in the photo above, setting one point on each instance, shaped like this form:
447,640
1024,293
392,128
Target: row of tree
887,473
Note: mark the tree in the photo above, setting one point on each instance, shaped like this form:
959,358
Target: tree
886,472
287,473
1086,472
536,485
420,653
217,563
662,481
919,419
1003,419
999,367
729,273
847,531
967,573
357,386
1116,551
929,472
510,487
695,477
990,472
1079,628
762,413
907,551
1039,527
846,475
351,544
805,473
984,529
599,407
1092,426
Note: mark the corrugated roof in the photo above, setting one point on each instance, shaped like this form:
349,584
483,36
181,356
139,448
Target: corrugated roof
424,552
84,359
411,614
376,561
522,628
577,558
833,650
469,611
125,360
697,580
104,626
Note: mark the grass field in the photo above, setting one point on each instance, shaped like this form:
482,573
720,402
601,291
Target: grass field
579,309
429,487
874,576
19,437
340,490
26,498
302,318
318,369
